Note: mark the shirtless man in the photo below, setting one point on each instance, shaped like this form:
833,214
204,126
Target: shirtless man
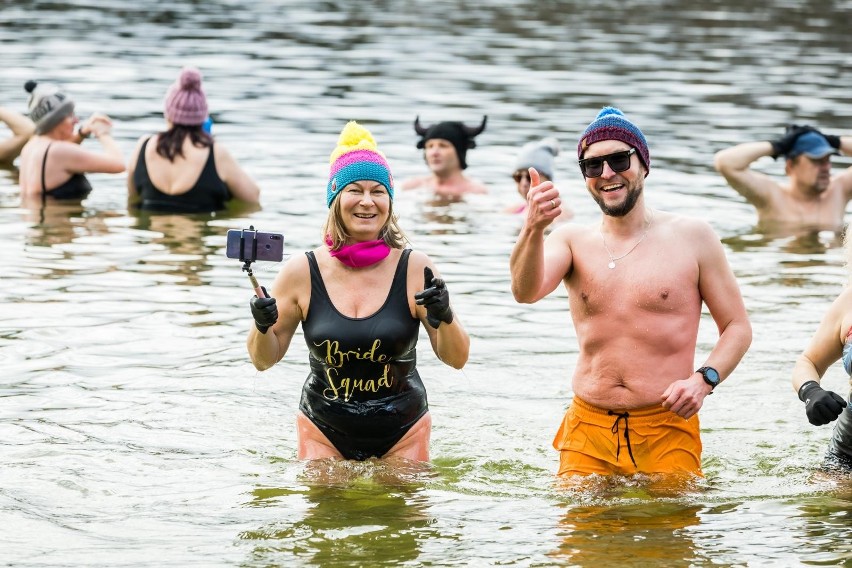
810,198
635,284
445,147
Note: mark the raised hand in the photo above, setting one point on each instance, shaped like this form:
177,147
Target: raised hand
435,298
543,201
782,146
264,311
821,406
833,140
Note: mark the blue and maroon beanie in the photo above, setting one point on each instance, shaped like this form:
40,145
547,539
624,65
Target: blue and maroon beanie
611,124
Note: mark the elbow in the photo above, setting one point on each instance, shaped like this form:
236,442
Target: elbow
259,364
521,296
745,336
719,161
457,363
456,356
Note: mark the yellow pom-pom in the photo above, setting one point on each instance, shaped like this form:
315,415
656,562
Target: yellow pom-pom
353,137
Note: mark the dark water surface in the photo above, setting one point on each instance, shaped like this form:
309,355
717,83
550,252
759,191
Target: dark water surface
133,429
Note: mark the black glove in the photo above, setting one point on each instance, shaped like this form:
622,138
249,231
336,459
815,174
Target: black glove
821,406
435,298
782,146
264,310
833,141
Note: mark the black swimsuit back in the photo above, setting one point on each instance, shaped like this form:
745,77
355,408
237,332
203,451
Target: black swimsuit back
209,193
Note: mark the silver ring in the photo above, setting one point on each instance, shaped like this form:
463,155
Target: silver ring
553,203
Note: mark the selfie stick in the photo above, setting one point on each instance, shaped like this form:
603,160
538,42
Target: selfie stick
247,259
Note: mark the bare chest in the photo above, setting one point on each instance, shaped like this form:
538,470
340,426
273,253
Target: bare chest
827,210
655,277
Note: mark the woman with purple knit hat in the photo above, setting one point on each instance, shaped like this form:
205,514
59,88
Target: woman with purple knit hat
182,170
361,298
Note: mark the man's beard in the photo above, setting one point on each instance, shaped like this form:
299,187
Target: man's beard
626,206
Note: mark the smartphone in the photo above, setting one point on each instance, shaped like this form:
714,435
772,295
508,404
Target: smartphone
250,245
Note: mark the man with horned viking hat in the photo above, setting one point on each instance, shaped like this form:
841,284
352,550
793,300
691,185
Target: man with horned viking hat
445,147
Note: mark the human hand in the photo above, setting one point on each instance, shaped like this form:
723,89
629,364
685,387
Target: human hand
435,298
543,201
98,124
821,406
685,397
833,141
264,311
783,145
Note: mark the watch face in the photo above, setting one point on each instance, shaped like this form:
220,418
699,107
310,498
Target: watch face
710,375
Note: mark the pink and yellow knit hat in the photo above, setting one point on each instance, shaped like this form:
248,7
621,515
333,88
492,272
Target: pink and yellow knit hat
356,158
185,101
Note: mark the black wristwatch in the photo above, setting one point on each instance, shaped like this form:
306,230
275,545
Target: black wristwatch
711,376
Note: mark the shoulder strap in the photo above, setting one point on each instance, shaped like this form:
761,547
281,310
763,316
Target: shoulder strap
43,183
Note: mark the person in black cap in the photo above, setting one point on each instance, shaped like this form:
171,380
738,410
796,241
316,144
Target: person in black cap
22,128
810,198
445,147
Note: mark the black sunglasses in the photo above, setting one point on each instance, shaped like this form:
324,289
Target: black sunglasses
519,175
618,162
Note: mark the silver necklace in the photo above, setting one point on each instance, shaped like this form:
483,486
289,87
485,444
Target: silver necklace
612,259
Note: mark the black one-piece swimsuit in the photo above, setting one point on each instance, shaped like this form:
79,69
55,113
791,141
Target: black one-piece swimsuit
363,391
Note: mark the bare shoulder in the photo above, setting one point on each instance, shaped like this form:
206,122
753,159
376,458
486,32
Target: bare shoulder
417,261
843,302
140,142
568,232
68,154
220,152
295,270
475,186
684,227
415,182
839,313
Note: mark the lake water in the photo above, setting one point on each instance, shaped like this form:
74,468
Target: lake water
135,432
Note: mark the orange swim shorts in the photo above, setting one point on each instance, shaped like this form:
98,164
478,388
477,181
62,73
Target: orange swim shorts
646,440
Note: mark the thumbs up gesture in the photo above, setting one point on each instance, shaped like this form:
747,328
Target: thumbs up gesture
544,201
435,298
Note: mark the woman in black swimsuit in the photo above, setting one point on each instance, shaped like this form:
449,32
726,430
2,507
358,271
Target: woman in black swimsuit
832,341
361,299
181,170
53,162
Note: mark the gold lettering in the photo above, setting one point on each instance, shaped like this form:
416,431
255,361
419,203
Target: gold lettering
384,381
372,353
347,392
337,358
348,386
325,393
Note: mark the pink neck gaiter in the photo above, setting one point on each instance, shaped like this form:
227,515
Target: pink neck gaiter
359,255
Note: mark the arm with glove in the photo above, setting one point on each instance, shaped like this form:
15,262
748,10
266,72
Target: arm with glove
277,315
825,348
842,144
449,339
734,163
